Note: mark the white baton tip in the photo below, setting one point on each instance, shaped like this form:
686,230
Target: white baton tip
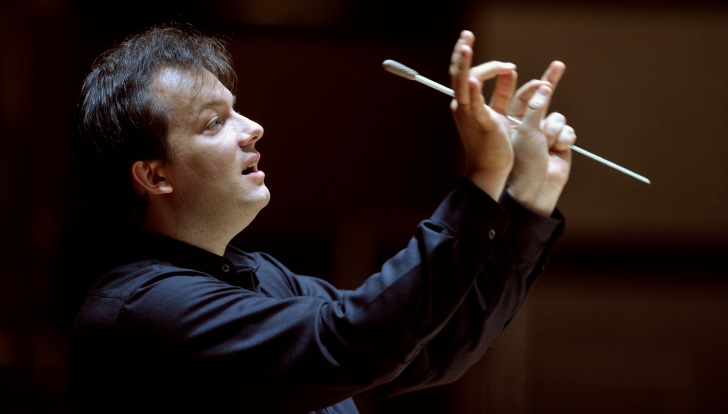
399,69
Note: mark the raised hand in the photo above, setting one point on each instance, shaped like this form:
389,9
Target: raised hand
541,144
484,130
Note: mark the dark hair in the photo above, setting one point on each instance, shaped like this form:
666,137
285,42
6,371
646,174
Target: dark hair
119,121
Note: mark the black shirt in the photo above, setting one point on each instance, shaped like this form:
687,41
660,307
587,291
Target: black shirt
175,327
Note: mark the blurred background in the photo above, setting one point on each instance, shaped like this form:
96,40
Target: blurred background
632,313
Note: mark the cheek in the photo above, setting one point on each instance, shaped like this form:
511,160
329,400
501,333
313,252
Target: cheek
202,165
209,164
204,160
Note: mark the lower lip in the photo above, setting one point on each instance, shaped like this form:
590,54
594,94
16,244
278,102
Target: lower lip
259,175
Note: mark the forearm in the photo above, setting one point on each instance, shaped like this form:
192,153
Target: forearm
418,290
490,305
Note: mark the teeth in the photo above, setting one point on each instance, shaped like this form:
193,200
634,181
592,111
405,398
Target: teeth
250,168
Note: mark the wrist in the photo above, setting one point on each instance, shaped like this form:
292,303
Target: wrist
492,184
536,195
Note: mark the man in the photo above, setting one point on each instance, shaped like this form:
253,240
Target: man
180,320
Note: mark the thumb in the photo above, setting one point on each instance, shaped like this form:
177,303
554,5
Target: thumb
537,107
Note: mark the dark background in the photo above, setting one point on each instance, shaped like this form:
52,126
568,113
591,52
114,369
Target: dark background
632,314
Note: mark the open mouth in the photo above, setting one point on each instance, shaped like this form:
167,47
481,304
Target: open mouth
251,166
251,169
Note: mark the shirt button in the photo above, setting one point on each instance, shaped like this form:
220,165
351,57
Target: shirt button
491,234
225,268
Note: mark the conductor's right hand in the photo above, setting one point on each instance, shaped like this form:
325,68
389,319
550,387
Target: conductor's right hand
484,130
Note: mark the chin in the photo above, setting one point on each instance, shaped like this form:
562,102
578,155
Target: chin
266,198
258,200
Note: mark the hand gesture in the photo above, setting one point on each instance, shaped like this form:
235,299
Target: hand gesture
484,130
541,144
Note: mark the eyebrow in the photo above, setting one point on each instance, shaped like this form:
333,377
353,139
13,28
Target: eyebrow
217,102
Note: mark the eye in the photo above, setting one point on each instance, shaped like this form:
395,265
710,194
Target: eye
215,124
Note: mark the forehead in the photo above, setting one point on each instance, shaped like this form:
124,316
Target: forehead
186,91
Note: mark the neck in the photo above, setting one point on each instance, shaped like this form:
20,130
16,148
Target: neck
209,235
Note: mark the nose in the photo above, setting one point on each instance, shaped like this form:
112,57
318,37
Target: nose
249,131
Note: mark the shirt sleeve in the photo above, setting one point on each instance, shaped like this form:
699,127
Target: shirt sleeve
519,254
446,295
445,298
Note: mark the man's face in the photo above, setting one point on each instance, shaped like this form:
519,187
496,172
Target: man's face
213,162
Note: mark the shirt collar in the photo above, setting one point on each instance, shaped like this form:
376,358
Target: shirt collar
230,267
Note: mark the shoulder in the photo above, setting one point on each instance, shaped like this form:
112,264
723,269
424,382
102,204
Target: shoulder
277,280
146,288
123,281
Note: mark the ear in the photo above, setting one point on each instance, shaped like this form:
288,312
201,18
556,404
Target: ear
149,177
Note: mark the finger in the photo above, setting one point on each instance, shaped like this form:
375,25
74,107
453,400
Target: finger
554,73
460,63
475,109
493,69
566,138
523,95
505,86
466,38
551,77
536,108
553,125
490,70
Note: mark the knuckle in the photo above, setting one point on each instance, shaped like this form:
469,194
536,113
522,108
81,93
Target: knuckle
557,117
